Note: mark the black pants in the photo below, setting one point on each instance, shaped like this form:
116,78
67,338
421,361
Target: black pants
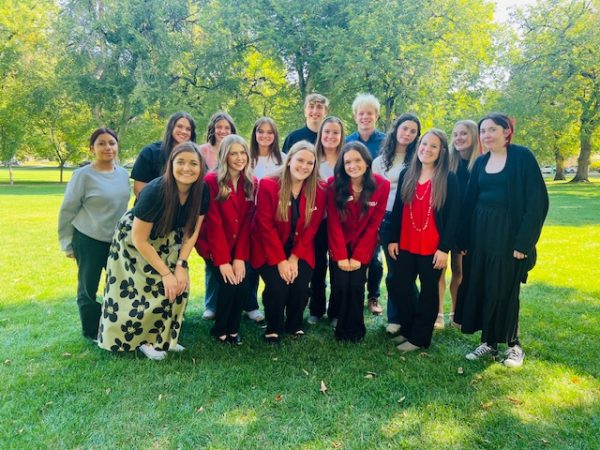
349,291
318,285
91,256
230,299
417,315
284,303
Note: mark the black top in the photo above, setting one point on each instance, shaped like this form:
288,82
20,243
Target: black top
289,244
302,134
493,189
527,200
150,206
446,219
150,163
462,173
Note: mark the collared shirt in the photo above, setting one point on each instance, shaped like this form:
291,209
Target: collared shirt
373,143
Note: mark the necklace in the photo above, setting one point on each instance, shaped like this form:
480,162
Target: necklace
429,208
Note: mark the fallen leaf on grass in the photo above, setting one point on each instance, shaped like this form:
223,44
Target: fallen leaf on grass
460,371
336,444
7,361
305,372
323,388
575,380
21,431
66,354
107,391
369,376
200,410
424,354
49,403
401,399
160,397
194,361
403,358
371,373
487,405
278,397
545,441
515,401
275,359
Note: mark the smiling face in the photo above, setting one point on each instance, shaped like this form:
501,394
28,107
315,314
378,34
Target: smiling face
182,131
493,136
429,149
314,113
186,168
265,136
354,164
407,133
301,165
331,135
222,129
105,148
462,140
366,119
237,159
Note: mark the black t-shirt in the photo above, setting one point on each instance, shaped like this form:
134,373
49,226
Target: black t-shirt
302,134
150,206
150,163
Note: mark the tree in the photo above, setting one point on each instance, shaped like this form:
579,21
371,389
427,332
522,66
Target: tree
558,71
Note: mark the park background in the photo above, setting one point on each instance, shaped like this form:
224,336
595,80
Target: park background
67,67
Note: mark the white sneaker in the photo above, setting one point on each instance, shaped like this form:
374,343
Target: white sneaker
208,315
256,315
399,339
480,351
334,322
514,357
313,320
151,353
177,349
439,323
392,328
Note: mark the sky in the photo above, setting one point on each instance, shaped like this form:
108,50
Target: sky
503,7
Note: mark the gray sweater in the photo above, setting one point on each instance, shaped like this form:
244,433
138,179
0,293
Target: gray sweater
93,203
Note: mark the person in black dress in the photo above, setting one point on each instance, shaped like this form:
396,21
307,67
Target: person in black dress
505,207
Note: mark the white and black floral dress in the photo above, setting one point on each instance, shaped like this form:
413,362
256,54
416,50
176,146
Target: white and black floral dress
135,310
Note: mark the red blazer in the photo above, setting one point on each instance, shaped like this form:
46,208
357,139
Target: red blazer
269,235
358,230
225,233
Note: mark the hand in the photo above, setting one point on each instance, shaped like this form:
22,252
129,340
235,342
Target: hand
440,259
227,273
293,262
354,264
239,269
183,279
344,264
463,252
170,284
393,250
518,255
284,271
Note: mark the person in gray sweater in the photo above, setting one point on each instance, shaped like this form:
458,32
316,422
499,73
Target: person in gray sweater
95,199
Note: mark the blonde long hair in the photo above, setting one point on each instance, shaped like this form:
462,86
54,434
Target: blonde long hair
310,185
223,176
474,151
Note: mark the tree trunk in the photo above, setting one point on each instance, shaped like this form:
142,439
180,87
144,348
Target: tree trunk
389,107
61,166
583,161
560,164
11,181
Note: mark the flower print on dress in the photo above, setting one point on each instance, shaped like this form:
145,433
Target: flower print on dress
164,249
120,346
130,261
159,328
165,309
149,269
175,327
110,309
139,307
124,229
115,248
155,288
128,289
100,331
131,329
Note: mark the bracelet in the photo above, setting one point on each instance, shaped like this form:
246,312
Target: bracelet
162,276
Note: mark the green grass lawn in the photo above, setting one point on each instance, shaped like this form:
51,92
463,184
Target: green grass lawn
60,391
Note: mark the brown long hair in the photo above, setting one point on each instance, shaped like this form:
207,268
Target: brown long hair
319,145
170,194
439,180
274,150
211,133
309,186
223,176
341,181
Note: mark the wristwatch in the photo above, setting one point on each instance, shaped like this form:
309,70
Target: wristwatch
183,263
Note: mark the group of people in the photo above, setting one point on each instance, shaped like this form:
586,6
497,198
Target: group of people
325,202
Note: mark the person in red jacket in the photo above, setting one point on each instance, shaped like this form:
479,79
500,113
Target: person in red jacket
224,242
289,209
356,201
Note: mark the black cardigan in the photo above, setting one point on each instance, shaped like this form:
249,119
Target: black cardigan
446,219
527,201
